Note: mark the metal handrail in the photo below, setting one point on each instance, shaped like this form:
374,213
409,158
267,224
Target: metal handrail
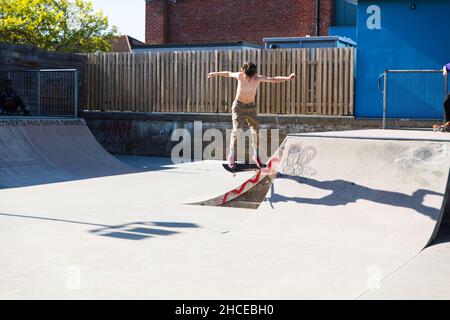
36,70
415,71
379,82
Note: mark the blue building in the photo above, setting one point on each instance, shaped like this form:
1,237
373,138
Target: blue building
402,34
344,19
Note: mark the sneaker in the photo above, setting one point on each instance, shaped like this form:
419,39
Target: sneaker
258,162
231,161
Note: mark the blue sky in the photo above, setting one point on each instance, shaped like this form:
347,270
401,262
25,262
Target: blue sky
127,15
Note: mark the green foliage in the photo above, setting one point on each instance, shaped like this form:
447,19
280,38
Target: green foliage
59,25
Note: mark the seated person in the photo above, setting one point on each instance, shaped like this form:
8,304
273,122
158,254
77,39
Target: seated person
10,100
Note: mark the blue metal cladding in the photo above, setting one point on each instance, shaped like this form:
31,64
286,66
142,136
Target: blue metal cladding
398,34
344,13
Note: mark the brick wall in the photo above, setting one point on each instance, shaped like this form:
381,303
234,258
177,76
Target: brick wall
200,21
156,22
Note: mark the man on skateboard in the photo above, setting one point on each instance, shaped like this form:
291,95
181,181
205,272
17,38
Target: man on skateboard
244,108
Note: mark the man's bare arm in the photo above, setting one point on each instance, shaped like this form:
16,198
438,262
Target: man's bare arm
276,79
225,74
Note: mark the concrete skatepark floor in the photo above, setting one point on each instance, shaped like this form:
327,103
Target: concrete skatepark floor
60,247
135,234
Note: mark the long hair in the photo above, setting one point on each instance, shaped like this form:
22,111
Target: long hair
249,68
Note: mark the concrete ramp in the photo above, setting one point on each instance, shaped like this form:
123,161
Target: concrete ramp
357,205
38,151
250,189
347,214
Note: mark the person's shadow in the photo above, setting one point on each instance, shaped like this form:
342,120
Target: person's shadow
344,192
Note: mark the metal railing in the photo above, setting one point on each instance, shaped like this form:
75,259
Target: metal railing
412,94
46,92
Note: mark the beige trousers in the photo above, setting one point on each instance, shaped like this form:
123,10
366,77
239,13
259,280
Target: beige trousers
244,113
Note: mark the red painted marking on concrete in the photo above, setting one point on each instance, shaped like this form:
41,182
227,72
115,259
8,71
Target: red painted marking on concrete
253,180
239,190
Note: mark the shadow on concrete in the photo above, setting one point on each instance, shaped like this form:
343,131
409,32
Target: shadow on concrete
174,224
129,231
344,192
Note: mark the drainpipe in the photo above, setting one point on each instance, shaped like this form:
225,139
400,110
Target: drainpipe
317,17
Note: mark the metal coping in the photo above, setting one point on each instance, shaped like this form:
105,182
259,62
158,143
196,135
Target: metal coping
337,136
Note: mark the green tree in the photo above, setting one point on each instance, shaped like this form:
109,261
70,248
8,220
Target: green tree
59,25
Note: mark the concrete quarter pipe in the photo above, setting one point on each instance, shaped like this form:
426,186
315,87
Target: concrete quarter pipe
357,204
38,151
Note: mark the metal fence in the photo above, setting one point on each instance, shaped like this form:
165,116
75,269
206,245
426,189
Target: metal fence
413,94
46,92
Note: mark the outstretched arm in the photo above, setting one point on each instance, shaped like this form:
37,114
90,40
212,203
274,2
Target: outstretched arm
225,74
276,79
444,70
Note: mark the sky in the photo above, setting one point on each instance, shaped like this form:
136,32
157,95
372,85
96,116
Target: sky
127,15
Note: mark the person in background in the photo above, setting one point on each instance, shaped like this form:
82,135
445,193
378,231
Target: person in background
445,71
10,101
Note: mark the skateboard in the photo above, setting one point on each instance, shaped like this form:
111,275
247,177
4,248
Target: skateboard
242,167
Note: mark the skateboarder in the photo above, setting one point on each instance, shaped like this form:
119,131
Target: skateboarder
10,100
244,107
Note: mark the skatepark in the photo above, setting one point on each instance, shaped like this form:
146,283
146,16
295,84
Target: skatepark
124,173
346,215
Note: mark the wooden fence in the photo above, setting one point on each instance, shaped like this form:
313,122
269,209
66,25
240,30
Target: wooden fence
177,81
